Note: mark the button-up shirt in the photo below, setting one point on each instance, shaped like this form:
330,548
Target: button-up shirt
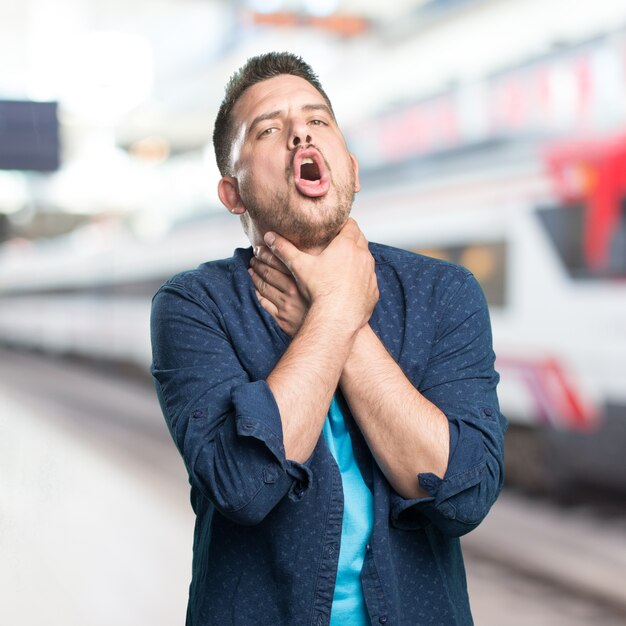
268,529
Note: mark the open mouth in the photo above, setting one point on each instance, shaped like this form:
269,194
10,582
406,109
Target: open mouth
309,169
311,177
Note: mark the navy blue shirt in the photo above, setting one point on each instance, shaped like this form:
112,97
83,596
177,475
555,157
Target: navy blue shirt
268,529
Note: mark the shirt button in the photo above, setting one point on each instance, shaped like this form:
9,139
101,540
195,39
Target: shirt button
488,412
368,547
382,619
270,474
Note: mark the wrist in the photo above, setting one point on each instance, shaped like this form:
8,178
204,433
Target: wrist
333,320
365,350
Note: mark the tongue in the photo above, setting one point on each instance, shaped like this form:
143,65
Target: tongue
309,171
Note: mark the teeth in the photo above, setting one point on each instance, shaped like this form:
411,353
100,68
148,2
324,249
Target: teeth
307,160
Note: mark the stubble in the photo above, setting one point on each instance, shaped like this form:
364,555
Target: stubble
306,222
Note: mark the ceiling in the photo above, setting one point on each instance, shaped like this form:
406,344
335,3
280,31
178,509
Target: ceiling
151,65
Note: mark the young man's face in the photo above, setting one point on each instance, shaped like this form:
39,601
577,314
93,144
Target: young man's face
292,172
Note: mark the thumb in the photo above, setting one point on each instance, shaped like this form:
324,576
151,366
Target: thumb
283,249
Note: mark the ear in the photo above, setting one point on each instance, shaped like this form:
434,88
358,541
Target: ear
228,192
355,167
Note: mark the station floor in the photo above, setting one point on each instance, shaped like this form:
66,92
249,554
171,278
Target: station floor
96,526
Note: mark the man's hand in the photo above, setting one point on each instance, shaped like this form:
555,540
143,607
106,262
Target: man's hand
277,291
339,283
339,288
405,432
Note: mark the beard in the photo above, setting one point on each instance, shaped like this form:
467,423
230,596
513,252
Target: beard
306,222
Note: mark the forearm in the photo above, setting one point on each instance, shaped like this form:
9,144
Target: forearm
306,377
406,433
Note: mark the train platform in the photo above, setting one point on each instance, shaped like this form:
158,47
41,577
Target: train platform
96,525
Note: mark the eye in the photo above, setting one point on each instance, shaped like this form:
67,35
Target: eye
317,122
268,131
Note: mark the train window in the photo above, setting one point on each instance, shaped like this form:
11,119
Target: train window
486,260
617,248
588,247
564,226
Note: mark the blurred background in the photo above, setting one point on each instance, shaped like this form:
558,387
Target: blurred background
489,132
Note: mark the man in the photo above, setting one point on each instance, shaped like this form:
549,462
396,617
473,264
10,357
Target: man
333,400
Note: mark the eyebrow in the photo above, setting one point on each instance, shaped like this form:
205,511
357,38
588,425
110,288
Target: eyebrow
275,114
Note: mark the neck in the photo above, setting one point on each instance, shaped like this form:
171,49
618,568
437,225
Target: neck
256,239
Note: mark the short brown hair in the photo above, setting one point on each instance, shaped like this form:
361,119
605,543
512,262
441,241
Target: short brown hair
255,70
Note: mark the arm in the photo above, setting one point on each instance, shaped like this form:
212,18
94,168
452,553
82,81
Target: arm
406,433
243,441
226,426
304,380
460,379
459,383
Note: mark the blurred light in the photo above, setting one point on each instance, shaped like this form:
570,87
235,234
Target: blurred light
321,8
49,31
265,6
13,192
564,93
107,74
24,216
151,149
150,225
102,177
209,165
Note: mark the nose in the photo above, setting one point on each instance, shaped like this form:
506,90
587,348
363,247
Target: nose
296,140
300,133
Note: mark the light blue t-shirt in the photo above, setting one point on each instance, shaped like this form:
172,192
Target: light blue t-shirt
348,607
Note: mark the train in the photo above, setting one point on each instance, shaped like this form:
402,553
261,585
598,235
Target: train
521,216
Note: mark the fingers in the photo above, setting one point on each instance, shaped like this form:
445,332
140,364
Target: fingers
350,230
278,294
264,288
267,275
283,249
263,253
268,305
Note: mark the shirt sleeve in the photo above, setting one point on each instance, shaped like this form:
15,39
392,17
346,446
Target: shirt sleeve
226,426
461,381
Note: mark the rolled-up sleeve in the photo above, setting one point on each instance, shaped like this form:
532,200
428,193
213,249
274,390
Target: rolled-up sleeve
226,426
461,381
